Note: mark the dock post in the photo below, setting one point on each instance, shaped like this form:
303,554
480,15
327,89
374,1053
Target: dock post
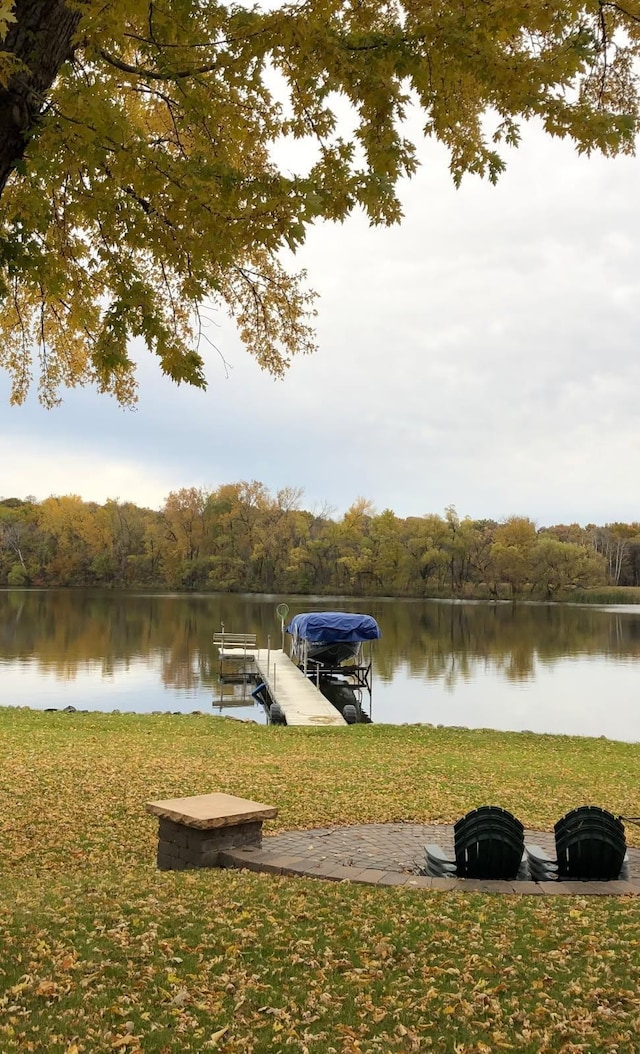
268,653
221,657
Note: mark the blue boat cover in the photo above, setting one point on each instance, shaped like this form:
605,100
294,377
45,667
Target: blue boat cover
333,627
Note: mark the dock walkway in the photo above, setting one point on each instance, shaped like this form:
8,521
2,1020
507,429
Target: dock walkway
301,702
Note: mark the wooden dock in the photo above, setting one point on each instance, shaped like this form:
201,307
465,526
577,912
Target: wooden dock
299,699
301,702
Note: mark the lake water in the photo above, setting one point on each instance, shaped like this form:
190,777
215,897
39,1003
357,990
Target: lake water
543,667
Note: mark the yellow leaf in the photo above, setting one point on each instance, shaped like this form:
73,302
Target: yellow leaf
218,1035
47,989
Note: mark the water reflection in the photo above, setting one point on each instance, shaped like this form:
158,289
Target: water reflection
544,667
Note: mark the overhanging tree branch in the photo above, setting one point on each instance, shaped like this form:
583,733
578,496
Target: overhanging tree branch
146,74
169,163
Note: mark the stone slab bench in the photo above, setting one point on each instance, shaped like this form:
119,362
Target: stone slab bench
193,831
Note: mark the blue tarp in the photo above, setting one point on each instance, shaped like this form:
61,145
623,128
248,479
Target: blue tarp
333,627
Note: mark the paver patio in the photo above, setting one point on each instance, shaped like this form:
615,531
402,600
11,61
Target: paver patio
393,854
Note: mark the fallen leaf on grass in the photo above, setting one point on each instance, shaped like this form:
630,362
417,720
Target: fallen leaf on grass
213,1042
48,989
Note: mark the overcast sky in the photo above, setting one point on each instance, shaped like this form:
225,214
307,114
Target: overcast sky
484,354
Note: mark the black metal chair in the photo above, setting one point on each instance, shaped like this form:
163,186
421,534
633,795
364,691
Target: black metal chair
590,847
488,844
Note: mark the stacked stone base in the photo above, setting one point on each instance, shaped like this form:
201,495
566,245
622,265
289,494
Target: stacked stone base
181,848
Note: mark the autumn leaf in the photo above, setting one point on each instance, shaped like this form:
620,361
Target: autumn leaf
215,1036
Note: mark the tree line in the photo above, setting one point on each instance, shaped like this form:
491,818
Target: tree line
242,538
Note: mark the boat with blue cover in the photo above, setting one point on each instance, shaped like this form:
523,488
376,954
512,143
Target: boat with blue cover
329,647
330,637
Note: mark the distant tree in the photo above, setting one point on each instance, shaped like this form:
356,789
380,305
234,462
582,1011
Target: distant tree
71,538
280,530
459,543
614,542
425,538
13,532
559,567
511,550
137,165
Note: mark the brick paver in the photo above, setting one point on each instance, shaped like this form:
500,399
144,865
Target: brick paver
393,854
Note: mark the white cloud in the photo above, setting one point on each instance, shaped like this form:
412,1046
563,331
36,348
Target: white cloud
65,470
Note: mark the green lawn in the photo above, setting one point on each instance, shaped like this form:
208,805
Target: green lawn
100,952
